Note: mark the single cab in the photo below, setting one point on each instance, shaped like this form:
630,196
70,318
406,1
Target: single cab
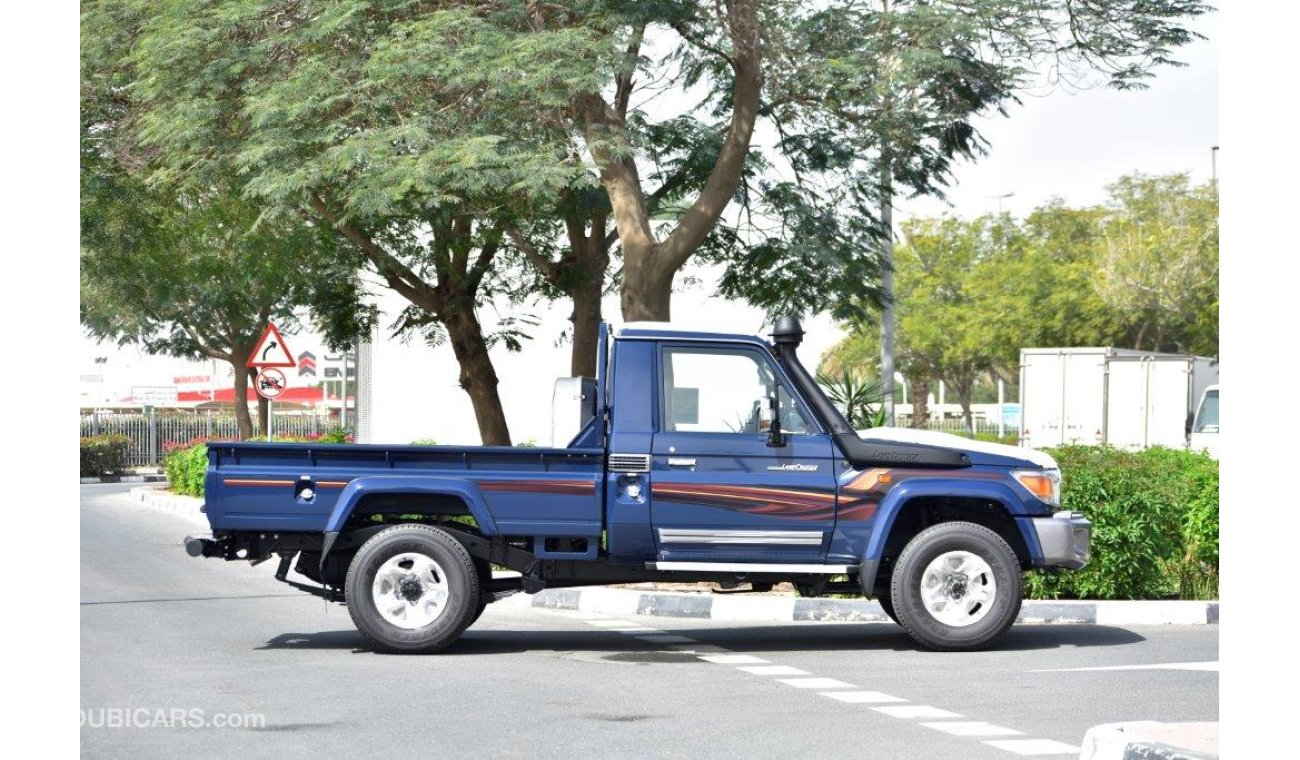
703,457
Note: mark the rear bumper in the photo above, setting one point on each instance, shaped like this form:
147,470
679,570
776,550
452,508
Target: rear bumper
1065,539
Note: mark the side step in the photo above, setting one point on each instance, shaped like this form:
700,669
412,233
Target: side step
750,567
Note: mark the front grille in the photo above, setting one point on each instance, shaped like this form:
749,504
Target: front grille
629,463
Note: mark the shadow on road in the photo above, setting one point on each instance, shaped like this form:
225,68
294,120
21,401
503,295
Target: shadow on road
191,599
798,638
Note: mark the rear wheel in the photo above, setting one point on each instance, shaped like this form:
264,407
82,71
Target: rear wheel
956,587
412,588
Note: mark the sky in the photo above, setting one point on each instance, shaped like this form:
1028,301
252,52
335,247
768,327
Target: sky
1058,143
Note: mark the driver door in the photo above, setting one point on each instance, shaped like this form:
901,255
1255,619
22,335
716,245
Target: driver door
718,491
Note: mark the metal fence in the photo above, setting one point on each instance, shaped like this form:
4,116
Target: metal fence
957,425
150,433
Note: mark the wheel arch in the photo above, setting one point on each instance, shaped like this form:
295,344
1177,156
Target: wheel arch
403,493
915,506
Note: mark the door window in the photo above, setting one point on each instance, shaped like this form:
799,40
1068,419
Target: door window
723,391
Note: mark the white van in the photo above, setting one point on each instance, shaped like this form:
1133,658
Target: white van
1205,429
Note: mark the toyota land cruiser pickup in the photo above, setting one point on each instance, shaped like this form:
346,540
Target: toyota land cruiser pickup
704,457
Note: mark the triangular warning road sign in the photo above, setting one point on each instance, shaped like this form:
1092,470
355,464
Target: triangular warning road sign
271,350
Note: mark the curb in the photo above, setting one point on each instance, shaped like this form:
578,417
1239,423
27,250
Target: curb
1149,740
786,609
187,506
125,479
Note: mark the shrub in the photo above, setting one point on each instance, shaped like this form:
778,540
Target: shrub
1154,520
186,468
104,455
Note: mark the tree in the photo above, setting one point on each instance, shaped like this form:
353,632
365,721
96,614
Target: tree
902,81
422,136
192,273
1159,261
200,279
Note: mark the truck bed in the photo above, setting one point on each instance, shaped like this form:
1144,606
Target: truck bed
528,491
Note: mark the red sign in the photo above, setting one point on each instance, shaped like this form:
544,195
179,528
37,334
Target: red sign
270,383
271,350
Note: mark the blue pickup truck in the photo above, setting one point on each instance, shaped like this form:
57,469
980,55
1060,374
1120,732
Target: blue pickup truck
704,457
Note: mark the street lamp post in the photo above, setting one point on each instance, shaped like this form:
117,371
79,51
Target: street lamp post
999,199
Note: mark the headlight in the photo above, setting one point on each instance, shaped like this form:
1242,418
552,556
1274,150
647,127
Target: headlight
1045,484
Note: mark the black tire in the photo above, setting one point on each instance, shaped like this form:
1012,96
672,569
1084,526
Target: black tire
989,624
887,604
460,576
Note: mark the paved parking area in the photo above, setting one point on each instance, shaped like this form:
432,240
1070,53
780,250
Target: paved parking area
163,632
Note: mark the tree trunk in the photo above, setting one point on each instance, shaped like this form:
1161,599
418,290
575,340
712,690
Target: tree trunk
590,263
242,418
647,292
920,402
477,376
586,325
965,390
650,265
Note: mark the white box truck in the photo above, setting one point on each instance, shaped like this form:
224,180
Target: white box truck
1125,398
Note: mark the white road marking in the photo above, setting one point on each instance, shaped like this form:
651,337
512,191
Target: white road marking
1034,747
938,719
862,697
915,711
698,648
972,728
733,659
815,683
1207,666
665,638
775,670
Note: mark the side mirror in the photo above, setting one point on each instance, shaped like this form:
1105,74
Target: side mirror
1191,416
775,438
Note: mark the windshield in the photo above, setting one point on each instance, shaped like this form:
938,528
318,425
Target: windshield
1207,418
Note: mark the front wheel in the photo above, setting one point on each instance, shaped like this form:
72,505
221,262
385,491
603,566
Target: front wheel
412,588
956,587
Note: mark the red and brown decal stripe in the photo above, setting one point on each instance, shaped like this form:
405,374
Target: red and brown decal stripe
754,500
565,487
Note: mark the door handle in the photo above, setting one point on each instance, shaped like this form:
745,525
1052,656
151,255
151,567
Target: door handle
681,462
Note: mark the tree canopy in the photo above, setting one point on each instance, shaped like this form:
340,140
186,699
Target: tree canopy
972,293
499,149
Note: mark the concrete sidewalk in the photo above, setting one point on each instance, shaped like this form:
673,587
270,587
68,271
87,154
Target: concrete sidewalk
1149,740
781,609
777,608
140,478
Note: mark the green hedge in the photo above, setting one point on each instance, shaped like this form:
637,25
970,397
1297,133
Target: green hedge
186,467
1155,525
104,455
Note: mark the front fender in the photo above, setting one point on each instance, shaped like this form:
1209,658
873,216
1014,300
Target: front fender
411,484
994,491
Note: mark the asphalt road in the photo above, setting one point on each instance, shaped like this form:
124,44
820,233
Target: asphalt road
173,646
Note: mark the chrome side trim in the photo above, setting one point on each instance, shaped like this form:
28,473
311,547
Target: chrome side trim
747,567
765,537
